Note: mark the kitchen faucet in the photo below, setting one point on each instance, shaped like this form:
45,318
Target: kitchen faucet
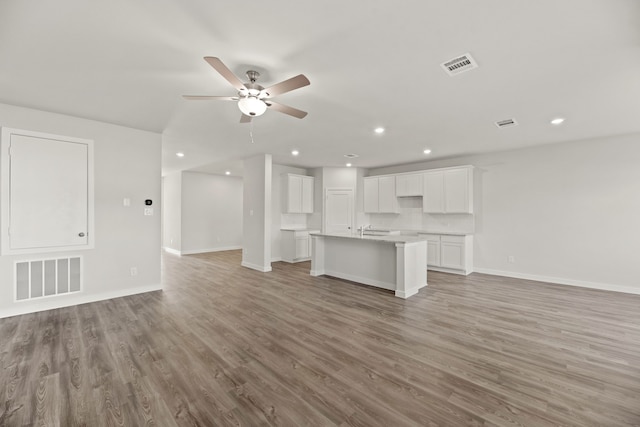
363,228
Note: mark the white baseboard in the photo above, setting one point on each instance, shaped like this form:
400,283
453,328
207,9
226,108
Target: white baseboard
363,280
252,266
201,251
31,306
449,270
407,294
561,281
219,249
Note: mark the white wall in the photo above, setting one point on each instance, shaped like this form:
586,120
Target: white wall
172,211
211,212
568,212
256,222
127,165
278,218
339,178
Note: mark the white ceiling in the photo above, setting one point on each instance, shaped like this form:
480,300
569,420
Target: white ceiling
370,63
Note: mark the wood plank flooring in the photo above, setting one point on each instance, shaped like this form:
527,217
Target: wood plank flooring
223,345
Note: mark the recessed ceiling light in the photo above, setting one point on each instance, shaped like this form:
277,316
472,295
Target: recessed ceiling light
348,165
295,152
557,121
427,151
227,173
379,130
180,154
351,156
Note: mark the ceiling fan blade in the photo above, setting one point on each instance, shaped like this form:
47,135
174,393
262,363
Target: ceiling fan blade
244,118
286,86
225,72
208,98
286,109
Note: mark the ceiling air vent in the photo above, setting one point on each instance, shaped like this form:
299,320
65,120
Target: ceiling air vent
506,123
459,65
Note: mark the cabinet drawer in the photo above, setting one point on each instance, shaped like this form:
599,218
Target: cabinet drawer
452,239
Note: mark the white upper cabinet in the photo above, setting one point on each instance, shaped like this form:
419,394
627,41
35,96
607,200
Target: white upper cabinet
458,188
371,195
380,194
433,198
387,194
409,185
307,194
297,193
448,190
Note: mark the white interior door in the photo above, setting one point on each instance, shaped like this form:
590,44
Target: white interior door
48,193
338,213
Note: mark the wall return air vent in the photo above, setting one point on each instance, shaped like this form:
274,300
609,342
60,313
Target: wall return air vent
506,123
459,65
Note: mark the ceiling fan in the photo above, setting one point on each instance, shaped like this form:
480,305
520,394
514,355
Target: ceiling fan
253,99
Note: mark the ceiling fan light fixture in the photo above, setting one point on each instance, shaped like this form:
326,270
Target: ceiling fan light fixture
252,106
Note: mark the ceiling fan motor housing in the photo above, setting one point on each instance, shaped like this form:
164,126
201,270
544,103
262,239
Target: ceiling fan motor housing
253,99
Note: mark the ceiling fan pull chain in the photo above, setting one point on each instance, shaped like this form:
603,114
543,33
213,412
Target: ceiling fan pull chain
251,131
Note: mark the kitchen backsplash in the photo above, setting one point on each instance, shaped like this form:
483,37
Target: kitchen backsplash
411,217
293,220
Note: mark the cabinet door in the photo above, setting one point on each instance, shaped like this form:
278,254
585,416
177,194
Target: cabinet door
371,195
456,187
452,252
433,250
387,194
293,194
433,199
307,194
409,185
302,247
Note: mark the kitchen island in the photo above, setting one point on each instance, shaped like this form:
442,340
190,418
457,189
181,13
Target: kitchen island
397,263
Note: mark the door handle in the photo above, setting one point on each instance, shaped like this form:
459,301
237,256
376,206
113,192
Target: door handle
81,234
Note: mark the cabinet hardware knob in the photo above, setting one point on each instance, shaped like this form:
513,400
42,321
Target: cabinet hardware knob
81,234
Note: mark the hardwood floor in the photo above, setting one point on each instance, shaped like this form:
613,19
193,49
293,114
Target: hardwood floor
225,345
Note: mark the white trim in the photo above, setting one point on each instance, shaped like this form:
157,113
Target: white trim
219,249
362,280
451,271
29,306
256,267
172,251
561,281
409,292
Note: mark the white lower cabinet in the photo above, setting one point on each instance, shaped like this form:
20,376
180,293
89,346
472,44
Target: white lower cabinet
450,253
296,245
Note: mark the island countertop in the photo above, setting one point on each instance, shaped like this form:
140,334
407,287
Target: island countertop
397,263
395,238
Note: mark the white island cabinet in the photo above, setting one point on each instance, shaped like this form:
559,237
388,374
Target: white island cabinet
397,263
